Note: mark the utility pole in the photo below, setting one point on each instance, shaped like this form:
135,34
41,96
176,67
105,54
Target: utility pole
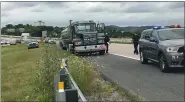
35,23
43,23
70,21
122,33
39,22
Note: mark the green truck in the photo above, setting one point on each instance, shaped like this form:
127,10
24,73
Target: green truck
83,36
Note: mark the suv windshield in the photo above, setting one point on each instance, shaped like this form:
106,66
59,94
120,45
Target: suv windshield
87,27
171,34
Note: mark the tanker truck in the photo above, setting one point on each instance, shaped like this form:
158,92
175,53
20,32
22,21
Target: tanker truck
83,36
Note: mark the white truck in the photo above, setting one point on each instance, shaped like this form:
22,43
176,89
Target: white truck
25,36
13,41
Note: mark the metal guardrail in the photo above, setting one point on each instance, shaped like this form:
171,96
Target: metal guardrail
66,88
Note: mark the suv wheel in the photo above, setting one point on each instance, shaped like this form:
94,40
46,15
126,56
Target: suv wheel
143,59
163,64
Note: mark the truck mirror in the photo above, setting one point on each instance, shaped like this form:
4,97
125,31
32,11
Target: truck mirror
103,26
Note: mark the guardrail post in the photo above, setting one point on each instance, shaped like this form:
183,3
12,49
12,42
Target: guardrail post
65,78
71,95
61,95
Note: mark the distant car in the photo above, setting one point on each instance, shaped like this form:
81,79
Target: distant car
13,41
38,40
163,45
51,41
33,44
5,43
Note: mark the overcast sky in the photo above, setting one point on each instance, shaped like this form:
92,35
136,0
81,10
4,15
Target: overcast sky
111,13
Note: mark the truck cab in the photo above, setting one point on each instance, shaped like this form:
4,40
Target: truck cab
84,36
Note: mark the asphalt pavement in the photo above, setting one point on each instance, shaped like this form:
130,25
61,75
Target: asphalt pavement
145,80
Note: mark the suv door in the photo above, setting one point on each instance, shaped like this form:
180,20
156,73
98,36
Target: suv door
142,40
147,44
153,47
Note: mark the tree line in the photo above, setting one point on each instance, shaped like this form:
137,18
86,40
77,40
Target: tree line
35,31
118,32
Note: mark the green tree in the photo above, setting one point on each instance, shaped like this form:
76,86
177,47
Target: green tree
9,26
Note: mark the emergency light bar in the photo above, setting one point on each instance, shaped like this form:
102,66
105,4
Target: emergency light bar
159,27
175,26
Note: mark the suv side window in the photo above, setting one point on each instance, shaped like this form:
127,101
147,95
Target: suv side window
148,34
154,34
143,35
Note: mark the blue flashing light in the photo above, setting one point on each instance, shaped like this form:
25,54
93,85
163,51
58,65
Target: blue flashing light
162,26
158,27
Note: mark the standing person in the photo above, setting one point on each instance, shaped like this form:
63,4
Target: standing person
106,41
135,40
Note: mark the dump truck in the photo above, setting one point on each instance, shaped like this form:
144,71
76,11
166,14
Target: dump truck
83,36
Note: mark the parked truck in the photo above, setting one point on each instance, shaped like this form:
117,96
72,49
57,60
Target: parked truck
83,36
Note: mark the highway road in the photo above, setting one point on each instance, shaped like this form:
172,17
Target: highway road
145,80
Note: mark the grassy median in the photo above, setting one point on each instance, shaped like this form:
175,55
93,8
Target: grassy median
28,75
18,69
121,40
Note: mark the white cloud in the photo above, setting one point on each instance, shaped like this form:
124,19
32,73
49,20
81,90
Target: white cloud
114,13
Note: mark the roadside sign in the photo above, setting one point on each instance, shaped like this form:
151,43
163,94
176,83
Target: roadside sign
44,33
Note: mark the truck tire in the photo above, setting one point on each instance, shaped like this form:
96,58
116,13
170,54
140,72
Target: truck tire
102,52
63,48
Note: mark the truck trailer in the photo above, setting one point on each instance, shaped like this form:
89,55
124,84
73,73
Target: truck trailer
83,36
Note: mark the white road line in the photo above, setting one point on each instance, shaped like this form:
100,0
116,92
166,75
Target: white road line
125,56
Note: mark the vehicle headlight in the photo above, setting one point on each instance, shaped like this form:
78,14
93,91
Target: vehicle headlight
172,49
78,42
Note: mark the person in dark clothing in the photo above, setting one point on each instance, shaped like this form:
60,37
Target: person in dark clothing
106,41
135,40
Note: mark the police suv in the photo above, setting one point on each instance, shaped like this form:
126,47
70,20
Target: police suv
164,45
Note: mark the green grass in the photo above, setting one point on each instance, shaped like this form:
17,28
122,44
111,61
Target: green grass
83,73
121,40
27,75
18,68
47,71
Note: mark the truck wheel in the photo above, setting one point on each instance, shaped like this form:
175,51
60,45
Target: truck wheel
143,60
102,52
163,64
63,48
